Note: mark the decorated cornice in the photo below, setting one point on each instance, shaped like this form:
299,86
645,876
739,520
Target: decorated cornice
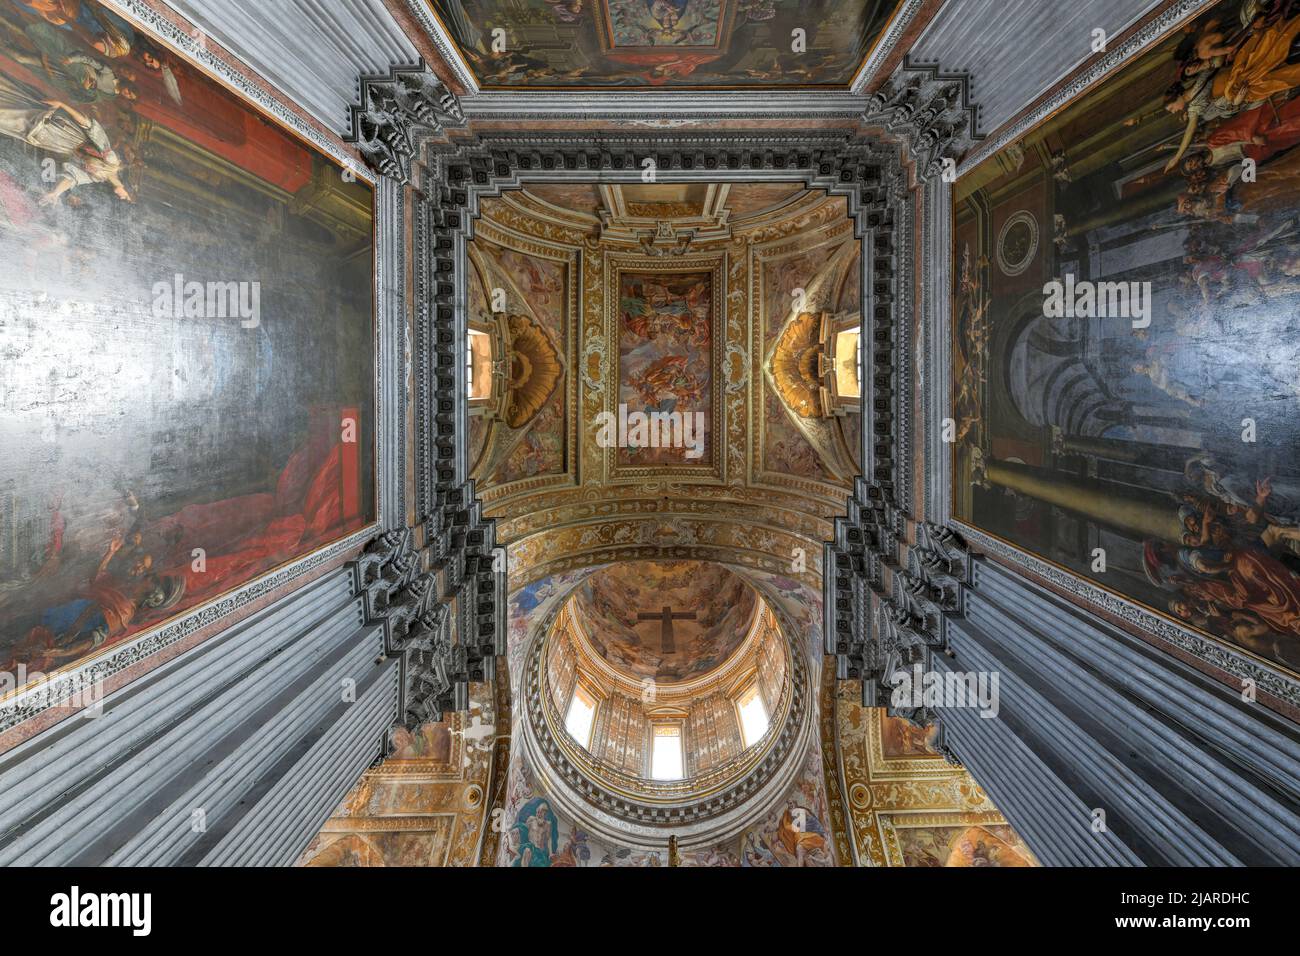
886,612
413,603
756,509
397,110
932,111
666,111
434,580
718,554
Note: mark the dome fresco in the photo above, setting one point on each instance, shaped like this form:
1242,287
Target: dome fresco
621,610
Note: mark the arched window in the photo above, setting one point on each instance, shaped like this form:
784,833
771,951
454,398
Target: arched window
478,365
840,363
666,761
581,716
754,720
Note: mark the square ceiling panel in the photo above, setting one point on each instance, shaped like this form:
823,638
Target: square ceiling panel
694,44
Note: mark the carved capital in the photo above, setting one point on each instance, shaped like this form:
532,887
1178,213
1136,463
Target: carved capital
939,568
413,593
396,111
929,109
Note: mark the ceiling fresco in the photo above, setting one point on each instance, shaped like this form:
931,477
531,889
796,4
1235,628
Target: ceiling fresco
641,322
667,621
805,828
665,316
425,804
905,804
665,297
525,435
730,44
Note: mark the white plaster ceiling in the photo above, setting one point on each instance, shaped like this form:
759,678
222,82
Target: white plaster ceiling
312,50
1016,50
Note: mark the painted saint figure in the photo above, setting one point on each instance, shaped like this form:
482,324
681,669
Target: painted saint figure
58,128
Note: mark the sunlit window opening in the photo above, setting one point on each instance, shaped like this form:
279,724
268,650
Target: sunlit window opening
581,716
478,365
848,362
753,717
666,756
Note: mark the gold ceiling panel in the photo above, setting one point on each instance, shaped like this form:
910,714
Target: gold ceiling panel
764,493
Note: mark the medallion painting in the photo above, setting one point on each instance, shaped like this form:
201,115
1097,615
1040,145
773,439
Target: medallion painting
664,43
665,355
1127,333
186,324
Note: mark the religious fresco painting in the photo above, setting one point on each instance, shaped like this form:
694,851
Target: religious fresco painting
1126,401
963,846
425,804
796,833
786,450
666,621
535,835
665,355
740,44
902,738
796,603
906,805
522,432
385,848
187,330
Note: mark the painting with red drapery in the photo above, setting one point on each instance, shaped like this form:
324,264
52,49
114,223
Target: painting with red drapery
186,315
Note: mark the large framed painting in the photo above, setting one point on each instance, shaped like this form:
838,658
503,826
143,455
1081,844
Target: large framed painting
666,320
1126,391
187,333
735,44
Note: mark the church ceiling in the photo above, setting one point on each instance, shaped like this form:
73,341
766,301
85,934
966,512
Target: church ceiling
727,44
730,314
667,298
905,804
624,612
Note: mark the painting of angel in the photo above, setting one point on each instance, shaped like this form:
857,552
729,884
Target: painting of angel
666,333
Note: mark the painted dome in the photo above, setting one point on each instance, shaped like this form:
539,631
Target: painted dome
666,621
